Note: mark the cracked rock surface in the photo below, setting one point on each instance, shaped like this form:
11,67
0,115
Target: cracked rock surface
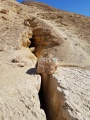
55,34
74,86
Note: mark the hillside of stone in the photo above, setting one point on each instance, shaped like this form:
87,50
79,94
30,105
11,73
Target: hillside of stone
28,32
66,36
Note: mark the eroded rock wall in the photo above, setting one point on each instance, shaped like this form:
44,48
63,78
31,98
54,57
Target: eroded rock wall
61,34
67,97
66,93
19,83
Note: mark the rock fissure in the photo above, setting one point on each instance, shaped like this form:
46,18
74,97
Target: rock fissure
49,95
65,88
41,92
32,42
52,105
51,100
46,90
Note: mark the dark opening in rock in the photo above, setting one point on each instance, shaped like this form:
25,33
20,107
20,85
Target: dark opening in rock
32,42
42,99
32,45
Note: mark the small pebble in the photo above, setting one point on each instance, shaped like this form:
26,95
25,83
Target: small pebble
21,65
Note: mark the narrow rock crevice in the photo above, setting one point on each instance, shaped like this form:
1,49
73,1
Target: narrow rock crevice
41,97
45,90
32,42
41,92
48,95
52,98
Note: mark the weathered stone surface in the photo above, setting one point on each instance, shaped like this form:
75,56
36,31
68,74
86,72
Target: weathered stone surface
46,65
19,85
66,34
68,95
56,34
74,87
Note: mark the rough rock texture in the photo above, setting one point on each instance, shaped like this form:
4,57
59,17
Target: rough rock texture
74,85
52,33
68,95
60,34
46,65
19,83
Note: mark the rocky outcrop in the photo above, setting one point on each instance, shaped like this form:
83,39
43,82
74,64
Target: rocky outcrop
72,99
60,34
64,90
19,83
47,65
52,34
67,97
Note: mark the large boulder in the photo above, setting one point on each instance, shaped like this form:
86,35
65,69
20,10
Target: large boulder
46,65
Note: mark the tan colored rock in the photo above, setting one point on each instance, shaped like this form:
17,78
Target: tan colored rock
68,94
32,49
73,86
46,65
66,35
21,65
56,34
19,85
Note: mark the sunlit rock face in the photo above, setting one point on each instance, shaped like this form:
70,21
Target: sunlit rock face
19,86
39,35
46,65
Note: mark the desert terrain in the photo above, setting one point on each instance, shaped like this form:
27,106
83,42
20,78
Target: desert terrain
58,90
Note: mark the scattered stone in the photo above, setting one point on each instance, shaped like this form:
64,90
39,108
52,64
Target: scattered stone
21,65
4,11
32,49
16,60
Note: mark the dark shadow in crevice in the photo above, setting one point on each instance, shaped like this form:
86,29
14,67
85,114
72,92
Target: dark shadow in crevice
32,46
32,42
42,98
32,71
